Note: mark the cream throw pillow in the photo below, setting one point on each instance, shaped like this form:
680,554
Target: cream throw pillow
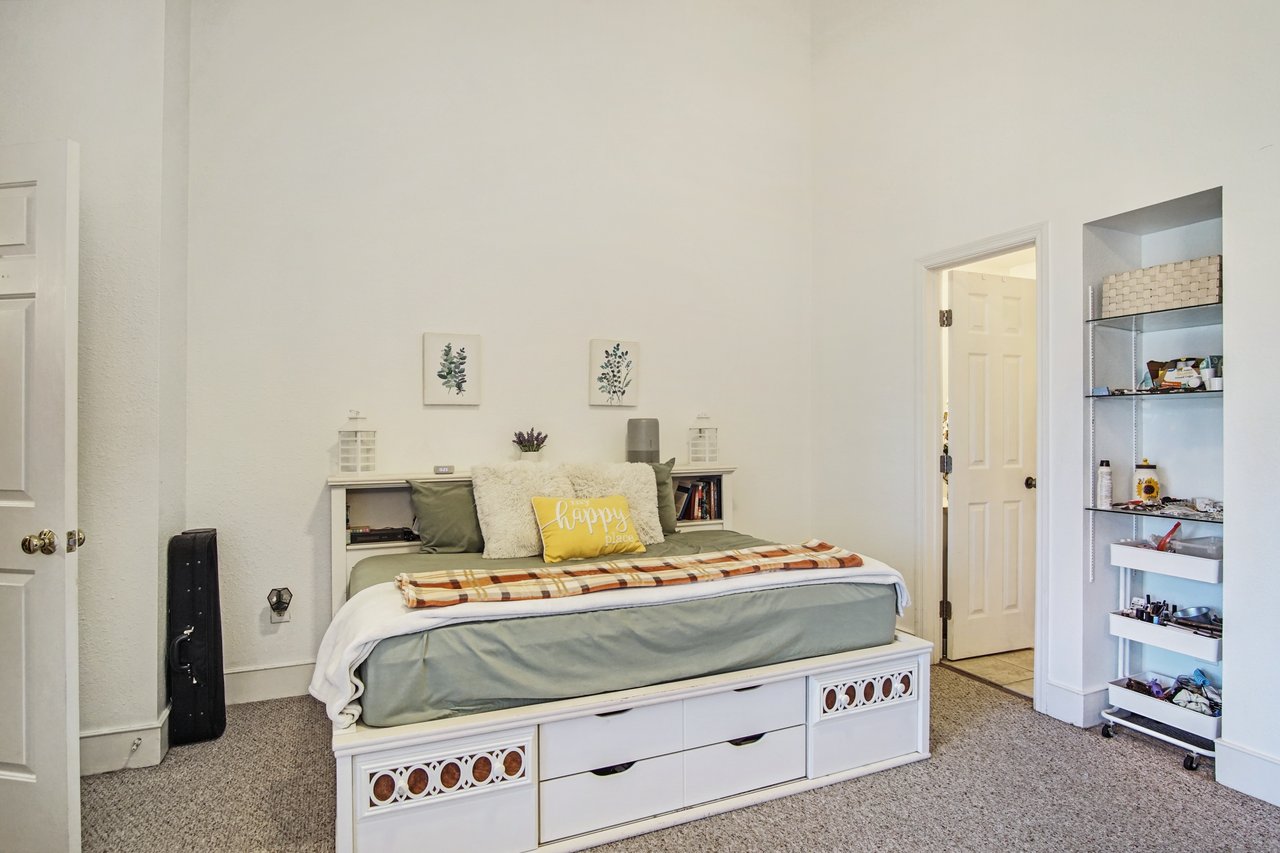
635,481
504,505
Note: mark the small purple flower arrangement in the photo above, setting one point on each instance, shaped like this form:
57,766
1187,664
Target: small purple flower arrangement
531,441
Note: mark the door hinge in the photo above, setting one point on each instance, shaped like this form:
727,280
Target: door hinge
944,463
944,318
944,609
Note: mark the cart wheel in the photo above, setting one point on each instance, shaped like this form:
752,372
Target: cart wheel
1191,762
1108,730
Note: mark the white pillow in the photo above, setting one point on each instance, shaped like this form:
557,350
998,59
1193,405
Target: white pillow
635,481
504,504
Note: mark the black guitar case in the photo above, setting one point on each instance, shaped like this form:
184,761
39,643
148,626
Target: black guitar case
194,632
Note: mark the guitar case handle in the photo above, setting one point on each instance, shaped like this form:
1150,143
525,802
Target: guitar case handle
175,647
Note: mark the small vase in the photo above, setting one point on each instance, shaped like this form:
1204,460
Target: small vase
530,455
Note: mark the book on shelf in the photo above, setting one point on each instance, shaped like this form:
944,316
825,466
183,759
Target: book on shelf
697,499
682,498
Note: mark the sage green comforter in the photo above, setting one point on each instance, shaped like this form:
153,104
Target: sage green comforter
485,666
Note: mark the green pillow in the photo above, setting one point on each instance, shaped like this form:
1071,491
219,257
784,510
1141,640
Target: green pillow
666,494
446,514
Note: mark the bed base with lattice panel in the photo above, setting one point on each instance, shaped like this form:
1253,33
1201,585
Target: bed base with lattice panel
575,773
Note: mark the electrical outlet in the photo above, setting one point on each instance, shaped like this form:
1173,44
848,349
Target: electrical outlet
279,617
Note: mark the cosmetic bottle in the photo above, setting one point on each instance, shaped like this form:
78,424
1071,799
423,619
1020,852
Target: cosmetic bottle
1103,494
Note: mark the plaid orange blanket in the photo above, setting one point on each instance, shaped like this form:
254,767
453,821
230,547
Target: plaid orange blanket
459,586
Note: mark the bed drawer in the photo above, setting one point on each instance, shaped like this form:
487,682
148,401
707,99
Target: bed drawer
734,767
746,711
584,802
602,740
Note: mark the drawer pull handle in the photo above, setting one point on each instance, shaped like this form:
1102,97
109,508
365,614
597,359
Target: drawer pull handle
614,770
745,689
749,739
613,713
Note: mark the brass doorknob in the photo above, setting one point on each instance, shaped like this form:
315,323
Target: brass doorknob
75,538
46,542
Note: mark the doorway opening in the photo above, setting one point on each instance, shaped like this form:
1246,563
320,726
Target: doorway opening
987,396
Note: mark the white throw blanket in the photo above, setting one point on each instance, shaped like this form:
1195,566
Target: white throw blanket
378,612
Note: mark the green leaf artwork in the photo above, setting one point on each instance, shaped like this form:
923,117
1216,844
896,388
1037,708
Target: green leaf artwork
453,368
615,374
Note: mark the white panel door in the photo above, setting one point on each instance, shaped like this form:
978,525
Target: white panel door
991,517
39,659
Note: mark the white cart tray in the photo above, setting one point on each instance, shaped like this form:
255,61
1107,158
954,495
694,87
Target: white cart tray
1171,637
1166,563
1192,722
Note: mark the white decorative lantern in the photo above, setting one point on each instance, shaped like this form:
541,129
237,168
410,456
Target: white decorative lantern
357,449
704,440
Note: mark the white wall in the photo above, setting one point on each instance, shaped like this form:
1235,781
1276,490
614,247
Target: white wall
927,139
544,173
538,174
95,73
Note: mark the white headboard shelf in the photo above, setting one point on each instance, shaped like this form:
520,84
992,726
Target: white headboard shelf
382,500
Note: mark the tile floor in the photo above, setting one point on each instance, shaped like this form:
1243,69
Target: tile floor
1011,670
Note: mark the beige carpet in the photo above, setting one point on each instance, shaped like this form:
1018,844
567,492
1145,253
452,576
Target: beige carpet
1001,778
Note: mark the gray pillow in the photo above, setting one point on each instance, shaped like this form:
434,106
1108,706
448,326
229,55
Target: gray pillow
666,494
447,521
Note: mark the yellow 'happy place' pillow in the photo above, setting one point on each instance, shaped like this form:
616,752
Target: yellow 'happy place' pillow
585,527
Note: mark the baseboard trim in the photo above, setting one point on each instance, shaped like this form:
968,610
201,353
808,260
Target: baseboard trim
108,749
1247,770
256,683
105,750
1081,708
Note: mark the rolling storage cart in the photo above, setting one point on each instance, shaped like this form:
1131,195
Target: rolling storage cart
1181,432
1189,729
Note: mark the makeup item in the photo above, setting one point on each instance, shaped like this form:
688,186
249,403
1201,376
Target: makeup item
1102,499
1213,383
1146,484
1207,547
1164,543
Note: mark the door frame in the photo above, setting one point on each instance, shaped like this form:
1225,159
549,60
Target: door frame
928,270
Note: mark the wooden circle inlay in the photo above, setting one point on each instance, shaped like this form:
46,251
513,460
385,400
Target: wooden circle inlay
450,775
886,688
512,763
829,698
850,696
384,787
869,691
417,781
906,683
481,768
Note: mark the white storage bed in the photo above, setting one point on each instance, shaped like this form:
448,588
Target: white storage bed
574,773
